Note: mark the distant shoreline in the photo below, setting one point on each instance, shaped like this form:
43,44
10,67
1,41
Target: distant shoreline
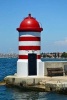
9,55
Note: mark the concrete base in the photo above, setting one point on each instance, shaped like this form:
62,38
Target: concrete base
22,68
30,80
35,83
25,83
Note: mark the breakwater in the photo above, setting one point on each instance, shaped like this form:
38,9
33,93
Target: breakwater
56,84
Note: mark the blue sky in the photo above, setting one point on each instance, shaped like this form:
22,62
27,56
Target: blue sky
52,14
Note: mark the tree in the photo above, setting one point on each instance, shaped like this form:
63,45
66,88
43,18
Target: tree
64,55
44,55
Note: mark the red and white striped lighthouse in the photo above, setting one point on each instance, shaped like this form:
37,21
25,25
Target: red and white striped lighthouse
29,62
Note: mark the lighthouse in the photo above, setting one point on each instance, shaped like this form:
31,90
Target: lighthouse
29,60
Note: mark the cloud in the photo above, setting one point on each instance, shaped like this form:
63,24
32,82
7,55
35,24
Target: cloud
61,42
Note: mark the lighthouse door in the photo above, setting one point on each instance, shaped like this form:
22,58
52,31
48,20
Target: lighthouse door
32,64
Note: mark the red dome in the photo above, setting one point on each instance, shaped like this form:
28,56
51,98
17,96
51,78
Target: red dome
29,24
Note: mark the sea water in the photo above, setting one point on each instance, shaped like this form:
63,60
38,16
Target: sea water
8,67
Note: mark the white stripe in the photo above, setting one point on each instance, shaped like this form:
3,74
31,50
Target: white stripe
25,52
29,43
29,34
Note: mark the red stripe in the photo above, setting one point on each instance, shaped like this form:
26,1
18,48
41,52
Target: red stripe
29,38
29,47
26,57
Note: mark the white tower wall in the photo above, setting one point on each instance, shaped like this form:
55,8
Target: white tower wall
22,64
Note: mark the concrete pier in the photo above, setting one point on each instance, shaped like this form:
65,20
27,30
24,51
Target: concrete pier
2,83
27,83
35,83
